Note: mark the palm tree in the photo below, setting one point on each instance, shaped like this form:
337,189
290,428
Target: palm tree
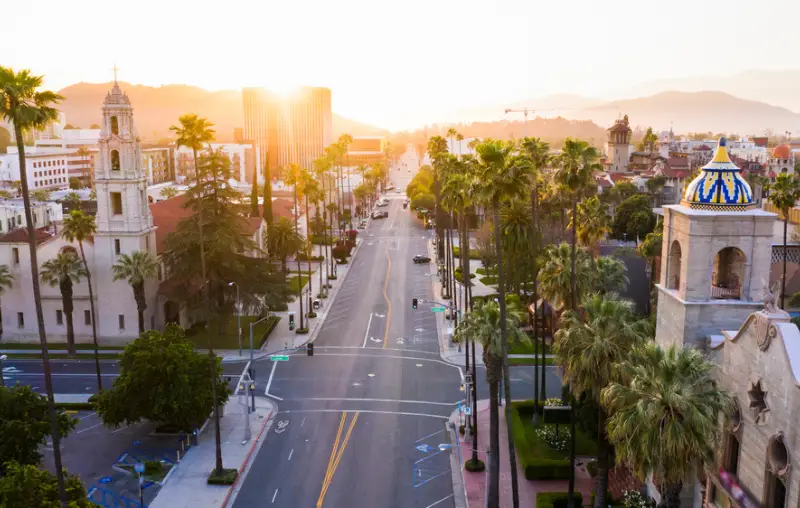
267,194
437,152
555,276
293,175
538,155
29,109
63,271
168,192
283,240
516,228
502,177
79,227
588,346
6,282
344,141
322,166
783,194
608,276
664,416
195,132
594,223
310,190
136,269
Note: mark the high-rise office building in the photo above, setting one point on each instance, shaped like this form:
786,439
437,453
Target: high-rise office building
292,128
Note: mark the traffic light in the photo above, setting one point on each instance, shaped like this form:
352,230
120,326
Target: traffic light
291,322
413,303
310,349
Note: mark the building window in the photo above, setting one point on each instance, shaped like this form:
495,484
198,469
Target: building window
15,255
116,203
87,318
117,247
114,125
122,321
20,320
59,317
114,160
728,274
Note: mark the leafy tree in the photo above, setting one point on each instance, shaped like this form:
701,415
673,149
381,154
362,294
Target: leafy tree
75,183
6,282
27,485
655,185
664,415
25,425
63,271
423,202
783,194
28,108
168,192
650,249
41,195
268,218
79,227
136,269
634,217
484,244
162,379
73,198
5,140
588,345
4,194
70,126
622,191
648,142
421,183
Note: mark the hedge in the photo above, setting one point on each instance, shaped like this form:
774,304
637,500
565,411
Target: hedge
488,280
228,477
303,257
321,240
473,253
557,499
272,322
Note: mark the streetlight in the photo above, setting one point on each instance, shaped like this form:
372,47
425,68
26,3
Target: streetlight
2,359
252,371
239,317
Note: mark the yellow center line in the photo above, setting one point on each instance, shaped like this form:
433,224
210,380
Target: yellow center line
332,459
386,297
335,464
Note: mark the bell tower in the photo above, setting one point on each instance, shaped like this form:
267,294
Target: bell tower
716,256
124,222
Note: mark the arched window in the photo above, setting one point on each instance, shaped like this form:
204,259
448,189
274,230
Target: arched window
674,267
114,126
728,274
115,160
777,469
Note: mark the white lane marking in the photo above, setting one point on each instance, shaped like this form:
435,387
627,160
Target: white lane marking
291,453
239,384
89,428
371,375
364,411
439,501
87,416
274,495
119,429
323,348
271,374
394,401
366,334
304,421
429,435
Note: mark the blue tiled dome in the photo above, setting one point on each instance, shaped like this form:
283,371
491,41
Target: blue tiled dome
719,185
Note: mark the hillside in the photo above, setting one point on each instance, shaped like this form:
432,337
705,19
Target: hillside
695,112
158,108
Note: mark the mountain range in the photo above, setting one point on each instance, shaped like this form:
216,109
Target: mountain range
158,108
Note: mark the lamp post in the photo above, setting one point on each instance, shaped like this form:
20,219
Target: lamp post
252,371
2,379
239,319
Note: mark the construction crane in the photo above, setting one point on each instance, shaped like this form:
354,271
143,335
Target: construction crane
525,112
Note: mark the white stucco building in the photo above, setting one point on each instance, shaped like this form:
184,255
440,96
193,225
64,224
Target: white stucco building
124,225
48,169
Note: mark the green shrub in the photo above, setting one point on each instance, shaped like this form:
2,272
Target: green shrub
303,257
153,467
272,322
556,499
311,314
481,271
474,467
227,477
321,240
591,468
473,254
489,280
301,331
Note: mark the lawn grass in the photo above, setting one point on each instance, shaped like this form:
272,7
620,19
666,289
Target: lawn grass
59,345
519,348
512,362
294,281
488,280
230,340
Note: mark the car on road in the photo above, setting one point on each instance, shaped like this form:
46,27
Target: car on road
379,214
422,258
383,202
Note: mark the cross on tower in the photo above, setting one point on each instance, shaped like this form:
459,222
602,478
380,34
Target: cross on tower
115,69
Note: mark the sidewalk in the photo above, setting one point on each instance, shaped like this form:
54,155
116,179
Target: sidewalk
187,487
475,483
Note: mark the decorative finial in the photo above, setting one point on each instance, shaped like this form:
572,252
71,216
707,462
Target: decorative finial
115,69
723,141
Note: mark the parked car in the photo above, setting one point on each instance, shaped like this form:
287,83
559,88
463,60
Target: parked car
377,214
383,202
421,258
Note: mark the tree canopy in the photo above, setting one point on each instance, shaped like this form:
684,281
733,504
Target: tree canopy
27,485
635,217
162,379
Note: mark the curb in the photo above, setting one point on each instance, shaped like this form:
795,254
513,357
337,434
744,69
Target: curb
456,467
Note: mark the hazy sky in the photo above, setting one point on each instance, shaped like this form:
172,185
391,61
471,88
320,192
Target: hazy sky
399,64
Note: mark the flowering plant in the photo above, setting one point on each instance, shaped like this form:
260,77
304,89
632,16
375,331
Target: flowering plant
635,499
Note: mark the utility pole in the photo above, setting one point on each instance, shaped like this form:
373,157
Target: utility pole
525,112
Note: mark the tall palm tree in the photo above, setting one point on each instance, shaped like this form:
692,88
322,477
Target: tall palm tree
6,282
195,132
345,140
502,177
555,276
79,227
664,416
594,223
63,271
284,240
29,109
437,152
783,194
310,191
293,175
515,224
322,166
588,346
538,155
136,269
608,276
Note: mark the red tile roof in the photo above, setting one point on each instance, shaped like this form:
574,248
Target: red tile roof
20,235
616,177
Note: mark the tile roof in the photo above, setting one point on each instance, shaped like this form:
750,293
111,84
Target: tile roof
20,235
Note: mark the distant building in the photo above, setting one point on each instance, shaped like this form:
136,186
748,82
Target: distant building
242,157
75,140
782,160
618,146
45,169
155,162
366,150
288,129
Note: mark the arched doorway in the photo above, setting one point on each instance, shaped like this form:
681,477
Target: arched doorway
728,274
171,312
674,267
777,469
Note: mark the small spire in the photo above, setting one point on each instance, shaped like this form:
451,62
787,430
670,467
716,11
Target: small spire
115,69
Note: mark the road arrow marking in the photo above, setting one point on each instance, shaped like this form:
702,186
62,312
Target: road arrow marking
424,448
445,446
373,339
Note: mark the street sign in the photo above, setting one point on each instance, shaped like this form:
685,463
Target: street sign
437,309
138,467
279,358
467,410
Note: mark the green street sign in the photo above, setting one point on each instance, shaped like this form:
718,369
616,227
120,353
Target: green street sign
437,309
279,358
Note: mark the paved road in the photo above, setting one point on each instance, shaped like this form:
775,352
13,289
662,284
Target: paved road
373,392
